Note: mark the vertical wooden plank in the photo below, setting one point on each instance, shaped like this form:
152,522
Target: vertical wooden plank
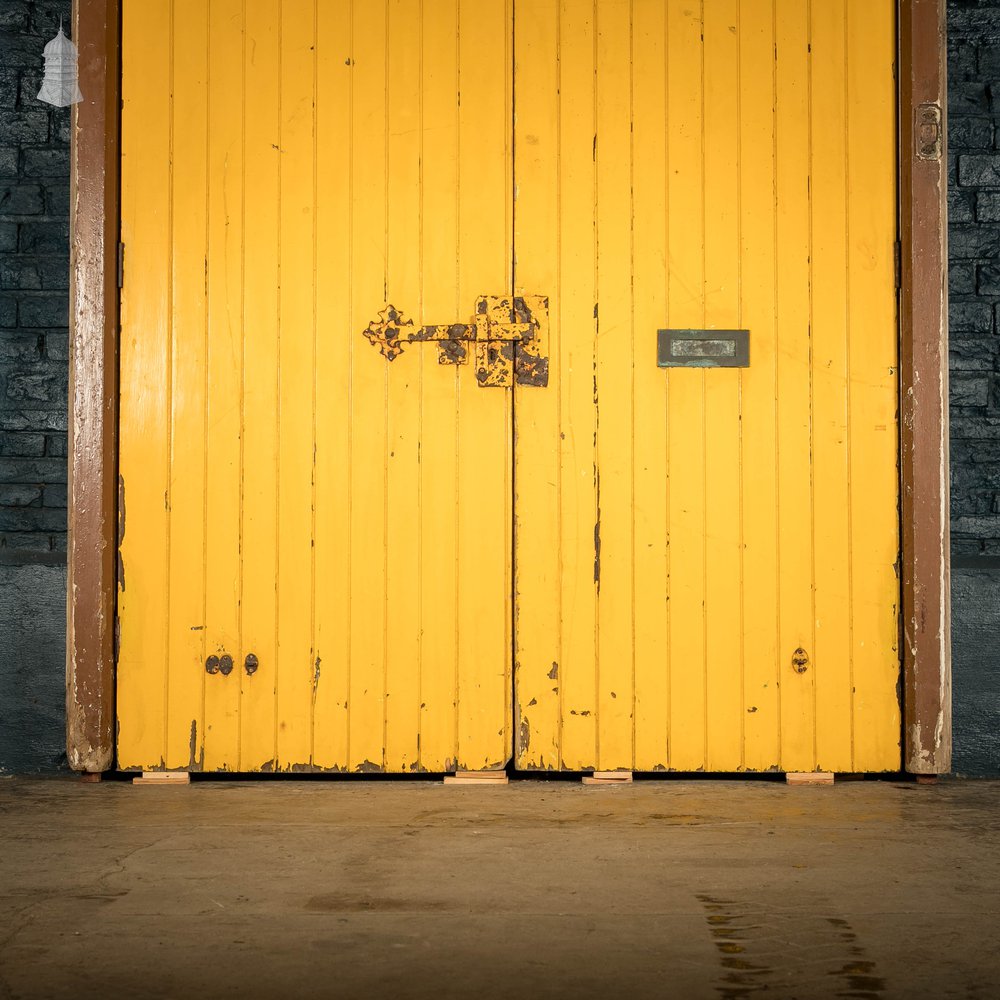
145,407
576,298
613,389
224,359
404,500
686,387
296,319
650,427
439,395
832,660
757,314
723,429
484,439
189,192
368,391
335,343
872,323
260,383
538,620
795,565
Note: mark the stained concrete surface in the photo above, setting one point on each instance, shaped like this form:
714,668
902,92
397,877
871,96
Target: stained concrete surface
538,889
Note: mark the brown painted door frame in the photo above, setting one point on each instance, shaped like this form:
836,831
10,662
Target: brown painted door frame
923,358
93,389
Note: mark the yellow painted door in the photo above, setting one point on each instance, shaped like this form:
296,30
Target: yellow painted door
318,565
705,556
315,552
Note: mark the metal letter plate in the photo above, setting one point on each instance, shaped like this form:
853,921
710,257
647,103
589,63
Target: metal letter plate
703,348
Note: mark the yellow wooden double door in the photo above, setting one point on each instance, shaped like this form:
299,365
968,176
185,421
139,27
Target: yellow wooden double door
331,560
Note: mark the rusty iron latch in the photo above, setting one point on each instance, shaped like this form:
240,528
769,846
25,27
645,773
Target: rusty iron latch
508,335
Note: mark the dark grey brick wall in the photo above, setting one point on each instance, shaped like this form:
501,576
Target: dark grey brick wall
974,274
974,331
34,282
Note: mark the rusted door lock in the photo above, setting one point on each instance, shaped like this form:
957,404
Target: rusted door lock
509,335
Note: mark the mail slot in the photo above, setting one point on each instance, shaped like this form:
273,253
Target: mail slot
703,348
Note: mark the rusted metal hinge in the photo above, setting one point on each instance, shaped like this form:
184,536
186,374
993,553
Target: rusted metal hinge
509,335
121,265
928,131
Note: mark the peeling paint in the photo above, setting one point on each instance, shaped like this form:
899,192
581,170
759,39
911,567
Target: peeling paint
494,363
452,352
121,533
531,358
597,550
597,478
530,369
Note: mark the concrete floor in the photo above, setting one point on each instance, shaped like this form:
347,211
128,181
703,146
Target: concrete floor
538,889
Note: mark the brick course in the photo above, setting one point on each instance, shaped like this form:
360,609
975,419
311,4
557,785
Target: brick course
34,279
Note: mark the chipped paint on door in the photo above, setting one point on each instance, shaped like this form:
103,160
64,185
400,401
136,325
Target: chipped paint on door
318,567
705,557
332,528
